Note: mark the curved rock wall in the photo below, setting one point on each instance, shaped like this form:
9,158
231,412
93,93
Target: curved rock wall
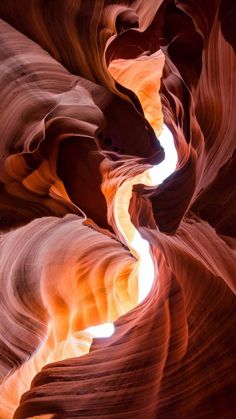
85,89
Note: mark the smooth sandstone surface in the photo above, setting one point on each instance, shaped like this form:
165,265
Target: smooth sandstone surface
85,88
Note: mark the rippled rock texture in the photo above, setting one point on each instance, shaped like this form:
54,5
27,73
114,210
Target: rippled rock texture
85,89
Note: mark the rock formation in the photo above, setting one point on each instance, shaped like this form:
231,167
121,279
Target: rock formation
86,90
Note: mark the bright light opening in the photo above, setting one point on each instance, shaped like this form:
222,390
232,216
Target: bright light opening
104,330
163,170
158,174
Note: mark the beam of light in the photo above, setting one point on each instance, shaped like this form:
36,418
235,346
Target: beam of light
163,170
158,174
104,330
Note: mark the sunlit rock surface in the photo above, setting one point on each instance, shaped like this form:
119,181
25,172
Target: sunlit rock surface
96,241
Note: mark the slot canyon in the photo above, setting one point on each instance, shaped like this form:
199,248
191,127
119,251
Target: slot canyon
117,209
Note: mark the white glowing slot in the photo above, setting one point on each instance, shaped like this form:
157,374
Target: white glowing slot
157,174
163,170
104,330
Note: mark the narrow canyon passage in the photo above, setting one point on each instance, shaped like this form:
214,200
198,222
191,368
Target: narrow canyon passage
117,209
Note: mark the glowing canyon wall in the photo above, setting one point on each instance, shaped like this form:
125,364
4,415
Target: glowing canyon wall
95,229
